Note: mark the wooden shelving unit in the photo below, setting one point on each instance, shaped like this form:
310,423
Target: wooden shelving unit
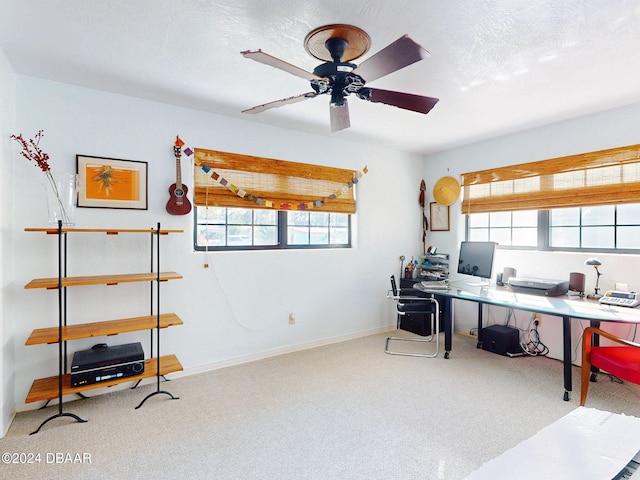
59,385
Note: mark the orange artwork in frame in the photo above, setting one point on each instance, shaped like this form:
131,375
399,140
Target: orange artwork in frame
111,183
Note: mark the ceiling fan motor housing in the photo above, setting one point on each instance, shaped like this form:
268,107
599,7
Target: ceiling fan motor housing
337,77
337,80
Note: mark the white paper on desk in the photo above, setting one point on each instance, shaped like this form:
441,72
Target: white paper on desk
584,444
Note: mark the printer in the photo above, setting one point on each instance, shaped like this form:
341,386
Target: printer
539,286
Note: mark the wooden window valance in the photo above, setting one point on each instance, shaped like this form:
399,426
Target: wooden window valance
604,177
256,182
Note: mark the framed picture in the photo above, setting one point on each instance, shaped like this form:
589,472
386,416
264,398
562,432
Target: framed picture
439,217
111,183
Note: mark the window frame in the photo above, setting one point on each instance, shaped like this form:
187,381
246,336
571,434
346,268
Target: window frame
282,240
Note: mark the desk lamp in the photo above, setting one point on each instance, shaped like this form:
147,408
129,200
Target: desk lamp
593,261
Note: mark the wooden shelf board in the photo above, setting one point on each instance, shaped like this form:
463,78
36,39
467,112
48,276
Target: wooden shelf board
108,231
99,329
47,388
52,283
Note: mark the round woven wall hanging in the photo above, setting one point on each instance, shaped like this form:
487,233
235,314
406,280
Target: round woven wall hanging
446,191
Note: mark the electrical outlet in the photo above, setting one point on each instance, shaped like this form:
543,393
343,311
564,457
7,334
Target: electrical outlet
292,318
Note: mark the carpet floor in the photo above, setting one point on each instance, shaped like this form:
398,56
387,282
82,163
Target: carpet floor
341,411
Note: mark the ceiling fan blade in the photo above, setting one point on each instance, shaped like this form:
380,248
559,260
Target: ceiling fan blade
401,53
339,116
260,56
280,103
408,101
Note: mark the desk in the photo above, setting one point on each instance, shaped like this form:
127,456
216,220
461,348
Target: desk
563,306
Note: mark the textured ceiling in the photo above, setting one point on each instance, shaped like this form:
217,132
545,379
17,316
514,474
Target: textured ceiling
496,66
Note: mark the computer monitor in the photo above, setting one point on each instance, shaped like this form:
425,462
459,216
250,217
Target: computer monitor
476,258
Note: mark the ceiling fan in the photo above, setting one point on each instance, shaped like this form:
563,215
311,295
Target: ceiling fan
337,46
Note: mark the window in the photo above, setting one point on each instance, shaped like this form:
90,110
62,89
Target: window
317,228
602,227
219,228
605,228
586,201
245,202
507,228
235,227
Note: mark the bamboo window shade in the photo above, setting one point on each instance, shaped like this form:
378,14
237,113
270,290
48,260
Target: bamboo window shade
285,185
604,177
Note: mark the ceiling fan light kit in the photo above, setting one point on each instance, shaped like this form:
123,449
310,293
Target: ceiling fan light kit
337,45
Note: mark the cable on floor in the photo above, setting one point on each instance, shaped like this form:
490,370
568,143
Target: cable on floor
530,338
531,343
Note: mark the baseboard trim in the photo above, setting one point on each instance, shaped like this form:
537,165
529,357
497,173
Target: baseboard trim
230,362
7,425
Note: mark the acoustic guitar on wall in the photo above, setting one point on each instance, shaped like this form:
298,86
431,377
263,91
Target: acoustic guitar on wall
178,203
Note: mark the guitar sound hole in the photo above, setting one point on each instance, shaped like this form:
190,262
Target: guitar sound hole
178,193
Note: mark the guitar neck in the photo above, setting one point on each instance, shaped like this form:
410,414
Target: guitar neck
178,173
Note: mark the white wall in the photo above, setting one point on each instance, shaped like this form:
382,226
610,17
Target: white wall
237,309
613,128
7,122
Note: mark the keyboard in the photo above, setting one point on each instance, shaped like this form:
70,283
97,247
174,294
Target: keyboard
435,284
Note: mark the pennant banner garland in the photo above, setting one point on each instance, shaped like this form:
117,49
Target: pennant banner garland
282,206
266,203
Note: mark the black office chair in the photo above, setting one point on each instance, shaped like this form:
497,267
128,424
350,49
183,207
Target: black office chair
419,315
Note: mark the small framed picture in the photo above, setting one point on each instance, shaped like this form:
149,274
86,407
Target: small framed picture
111,183
439,217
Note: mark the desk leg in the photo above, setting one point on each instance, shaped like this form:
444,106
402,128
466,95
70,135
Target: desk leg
448,325
566,339
479,344
595,341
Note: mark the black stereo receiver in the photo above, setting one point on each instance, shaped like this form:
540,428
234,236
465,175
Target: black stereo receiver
102,363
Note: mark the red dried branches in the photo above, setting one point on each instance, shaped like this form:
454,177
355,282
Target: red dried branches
31,150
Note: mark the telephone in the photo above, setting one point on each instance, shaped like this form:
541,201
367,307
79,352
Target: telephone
620,299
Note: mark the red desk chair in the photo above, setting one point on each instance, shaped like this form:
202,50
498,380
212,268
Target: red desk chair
622,361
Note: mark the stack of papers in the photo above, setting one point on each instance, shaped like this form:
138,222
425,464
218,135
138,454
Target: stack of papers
584,444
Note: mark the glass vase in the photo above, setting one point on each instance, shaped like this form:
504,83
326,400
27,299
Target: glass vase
62,194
